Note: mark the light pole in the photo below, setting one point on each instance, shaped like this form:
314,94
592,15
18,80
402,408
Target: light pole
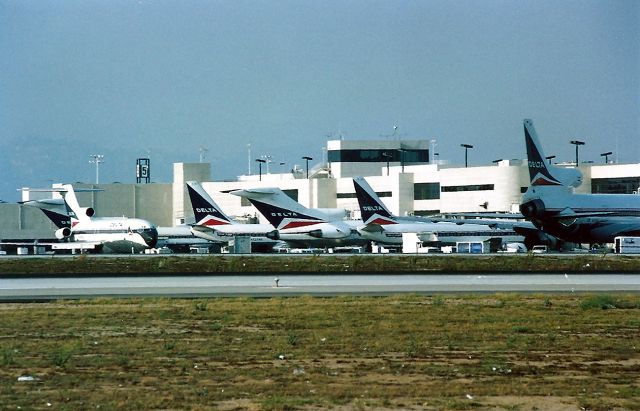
307,158
260,162
203,153
606,156
550,158
388,157
466,149
249,158
97,160
577,143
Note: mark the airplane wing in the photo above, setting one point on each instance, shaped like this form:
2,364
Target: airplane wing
372,228
488,215
227,232
71,245
573,215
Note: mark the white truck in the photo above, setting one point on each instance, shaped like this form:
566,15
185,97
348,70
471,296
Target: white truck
627,245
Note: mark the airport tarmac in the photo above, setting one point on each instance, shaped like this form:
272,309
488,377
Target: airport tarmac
317,285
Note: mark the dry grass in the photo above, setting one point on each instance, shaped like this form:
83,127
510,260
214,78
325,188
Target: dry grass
326,263
501,351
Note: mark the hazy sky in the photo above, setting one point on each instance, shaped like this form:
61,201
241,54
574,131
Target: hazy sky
130,79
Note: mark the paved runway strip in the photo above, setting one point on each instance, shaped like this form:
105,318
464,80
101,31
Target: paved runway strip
265,285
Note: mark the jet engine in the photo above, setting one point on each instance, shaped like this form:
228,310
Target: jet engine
89,212
328,232
273,235
63,233
532,209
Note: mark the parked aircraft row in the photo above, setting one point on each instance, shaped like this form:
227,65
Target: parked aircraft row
304,227
555,214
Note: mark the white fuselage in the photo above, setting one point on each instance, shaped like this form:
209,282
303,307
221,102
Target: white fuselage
442,232
119,235
224,233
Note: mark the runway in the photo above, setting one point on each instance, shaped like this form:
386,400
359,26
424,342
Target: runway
318,285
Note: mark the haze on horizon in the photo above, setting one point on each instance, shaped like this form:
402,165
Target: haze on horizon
161,79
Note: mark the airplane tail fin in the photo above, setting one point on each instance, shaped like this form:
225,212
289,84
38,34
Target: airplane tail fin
60,220
205,210
541,173
372,209
77,213
279,209
56,210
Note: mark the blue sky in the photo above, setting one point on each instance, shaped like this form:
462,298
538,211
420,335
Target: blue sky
130,79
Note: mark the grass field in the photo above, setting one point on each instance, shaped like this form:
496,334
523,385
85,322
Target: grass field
324,263
496,351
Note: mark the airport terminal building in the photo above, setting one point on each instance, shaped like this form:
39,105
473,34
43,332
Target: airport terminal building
402,172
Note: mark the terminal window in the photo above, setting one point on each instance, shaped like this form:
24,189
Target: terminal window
405,156
421,213
472,187
353,195
623,185
426,191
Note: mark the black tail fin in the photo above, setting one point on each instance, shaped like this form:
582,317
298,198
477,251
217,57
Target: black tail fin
540,173
279,209
60,220
371,207
205,209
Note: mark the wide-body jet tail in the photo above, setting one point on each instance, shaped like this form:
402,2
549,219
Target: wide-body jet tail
205,210
372,210
541,173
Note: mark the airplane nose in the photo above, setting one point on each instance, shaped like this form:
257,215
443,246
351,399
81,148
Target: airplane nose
151,237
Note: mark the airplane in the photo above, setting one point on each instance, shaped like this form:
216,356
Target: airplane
378,221
213,224
301,226
177,239
551,204
81,231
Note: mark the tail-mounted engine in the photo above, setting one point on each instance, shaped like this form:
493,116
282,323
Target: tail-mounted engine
532,209
63,233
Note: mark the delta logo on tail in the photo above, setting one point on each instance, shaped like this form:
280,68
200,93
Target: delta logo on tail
205,213
538,171
71,215
371,208
60,220
281,218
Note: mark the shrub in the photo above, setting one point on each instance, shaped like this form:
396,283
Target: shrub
602,301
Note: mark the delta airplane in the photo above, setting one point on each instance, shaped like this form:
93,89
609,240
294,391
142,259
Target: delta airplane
177,239
551,204
214,225
81,231
378,221
301,226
